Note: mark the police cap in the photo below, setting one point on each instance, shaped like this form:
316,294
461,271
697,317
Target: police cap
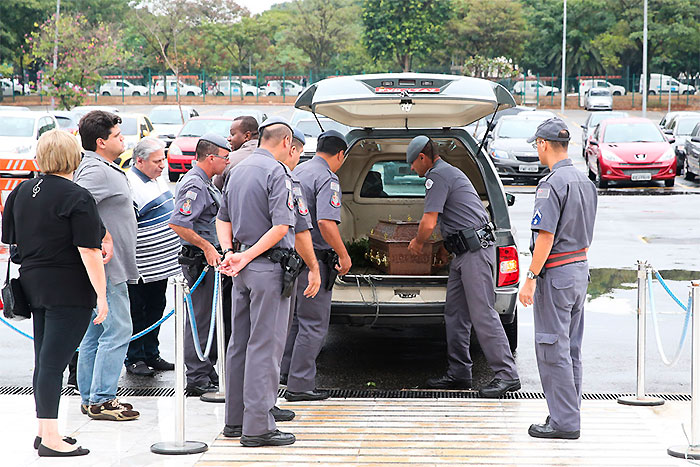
333,134
298,134
274,121
415,147
550,129
216,140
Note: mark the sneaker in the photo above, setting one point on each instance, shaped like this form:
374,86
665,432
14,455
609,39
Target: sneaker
139,369
84,407
159,364
112,410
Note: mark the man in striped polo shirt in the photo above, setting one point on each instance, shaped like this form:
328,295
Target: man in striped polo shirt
157,248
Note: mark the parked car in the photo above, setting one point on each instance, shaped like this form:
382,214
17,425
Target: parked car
514,158
692,154
478,128
167,120
659,83
19,132
630,149
225,87
586,84
274,88
134,126
118,87
81,110
679,129
598,99
594,118
14,108
67,120
182,150
534,88
311,129
10,87
259,115
440,105
176,88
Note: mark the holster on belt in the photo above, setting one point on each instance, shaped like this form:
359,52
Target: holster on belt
470,240
193,258
291,263
330,259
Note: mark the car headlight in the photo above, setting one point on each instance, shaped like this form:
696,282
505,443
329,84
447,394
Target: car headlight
668,155
22,149
499,154
174,150
610,156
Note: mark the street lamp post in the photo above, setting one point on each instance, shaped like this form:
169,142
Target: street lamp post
644,64
55,48
563,63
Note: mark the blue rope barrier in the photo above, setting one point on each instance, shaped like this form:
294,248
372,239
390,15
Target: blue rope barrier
684,333
663,284
193,323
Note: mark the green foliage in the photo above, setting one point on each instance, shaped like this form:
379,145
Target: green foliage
398,30
358,251
482,67
83,51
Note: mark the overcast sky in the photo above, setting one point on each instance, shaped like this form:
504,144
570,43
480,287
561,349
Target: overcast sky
258,6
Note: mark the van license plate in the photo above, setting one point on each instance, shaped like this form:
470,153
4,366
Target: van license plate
642,177
528,168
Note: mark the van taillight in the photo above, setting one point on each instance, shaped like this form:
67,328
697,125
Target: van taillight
508,266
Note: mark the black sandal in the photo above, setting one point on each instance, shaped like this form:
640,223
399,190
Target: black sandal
48,452
67,439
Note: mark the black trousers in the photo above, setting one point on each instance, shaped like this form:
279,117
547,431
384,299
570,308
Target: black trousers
57,333
147,304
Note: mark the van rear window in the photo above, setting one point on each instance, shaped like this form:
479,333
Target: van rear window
392,179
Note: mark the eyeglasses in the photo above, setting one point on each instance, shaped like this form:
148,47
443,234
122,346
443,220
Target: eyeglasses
536,142
220,157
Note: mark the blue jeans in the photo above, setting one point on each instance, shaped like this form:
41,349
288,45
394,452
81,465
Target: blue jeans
104,347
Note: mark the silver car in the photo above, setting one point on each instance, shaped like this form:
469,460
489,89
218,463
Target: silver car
598,99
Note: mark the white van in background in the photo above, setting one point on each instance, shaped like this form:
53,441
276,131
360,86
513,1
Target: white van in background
659,83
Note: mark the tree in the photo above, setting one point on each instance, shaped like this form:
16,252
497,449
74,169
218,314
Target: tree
83,51
403,29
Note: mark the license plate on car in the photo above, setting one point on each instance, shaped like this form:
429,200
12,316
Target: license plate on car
528,168
641,177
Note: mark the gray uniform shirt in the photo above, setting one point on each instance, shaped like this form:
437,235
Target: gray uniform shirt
234,158
197,202
109,186
303,218
565,205
321,190
262,198
450,193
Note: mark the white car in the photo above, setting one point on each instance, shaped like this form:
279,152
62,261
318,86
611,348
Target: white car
274,88
19,132
598,99
118,87
175,88
614,89
12,86
534,88
225,87
167,121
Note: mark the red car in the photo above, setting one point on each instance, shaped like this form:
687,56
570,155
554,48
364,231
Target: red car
630,149
181,151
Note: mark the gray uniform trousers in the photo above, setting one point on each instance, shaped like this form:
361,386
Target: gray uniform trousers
292,330
199,372
470,302
558,302
307,333
260,318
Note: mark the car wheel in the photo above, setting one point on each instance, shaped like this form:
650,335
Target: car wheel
271,94
106,93
136,93
173,176
599,181
159,93
617,93
219,93
652,93
670,182
190,93
18,93
512,332
249,94
688,174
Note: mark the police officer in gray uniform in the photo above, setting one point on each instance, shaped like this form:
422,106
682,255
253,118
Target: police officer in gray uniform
452,201
255,228
197,203
557,281
321,189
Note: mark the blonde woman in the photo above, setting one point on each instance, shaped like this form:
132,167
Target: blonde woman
58,233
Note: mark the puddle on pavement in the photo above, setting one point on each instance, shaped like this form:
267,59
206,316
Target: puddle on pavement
614,291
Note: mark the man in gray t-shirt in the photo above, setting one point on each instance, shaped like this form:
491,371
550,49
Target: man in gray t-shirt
104,346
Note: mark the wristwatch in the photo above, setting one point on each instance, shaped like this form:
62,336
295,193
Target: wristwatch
227,250
531,275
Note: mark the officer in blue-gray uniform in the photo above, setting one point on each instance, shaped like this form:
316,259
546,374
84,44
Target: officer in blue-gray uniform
321,189
255,228
452,201
197,203
557,281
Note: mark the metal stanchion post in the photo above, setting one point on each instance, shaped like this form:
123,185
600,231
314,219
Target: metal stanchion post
692,450
179,446
220,395
640,398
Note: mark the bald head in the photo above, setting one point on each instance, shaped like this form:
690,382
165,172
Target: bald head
278,140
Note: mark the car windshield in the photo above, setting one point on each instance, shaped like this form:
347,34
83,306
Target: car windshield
310,127
599,92
196,128
16,126
65,122
167,116
685,126
129,126
598,117
518,128
632,133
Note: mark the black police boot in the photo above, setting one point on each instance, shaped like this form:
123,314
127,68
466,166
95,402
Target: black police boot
273,438
549,432
283,379
198,390
282,415
448,382
159,364
233,431
497,387
315,395
139,369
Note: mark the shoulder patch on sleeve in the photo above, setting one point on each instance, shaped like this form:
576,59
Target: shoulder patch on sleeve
542,193
428,184
186,208
537,218
335,200
288,184
335,186
191,195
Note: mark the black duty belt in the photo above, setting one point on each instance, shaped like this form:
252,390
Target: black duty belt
560,259
470,239
288,258
276,254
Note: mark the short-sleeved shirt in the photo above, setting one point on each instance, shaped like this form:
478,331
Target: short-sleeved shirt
234,158
197,203
565,205
321,189
107,183
49,218
450,193
301,208
258,197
